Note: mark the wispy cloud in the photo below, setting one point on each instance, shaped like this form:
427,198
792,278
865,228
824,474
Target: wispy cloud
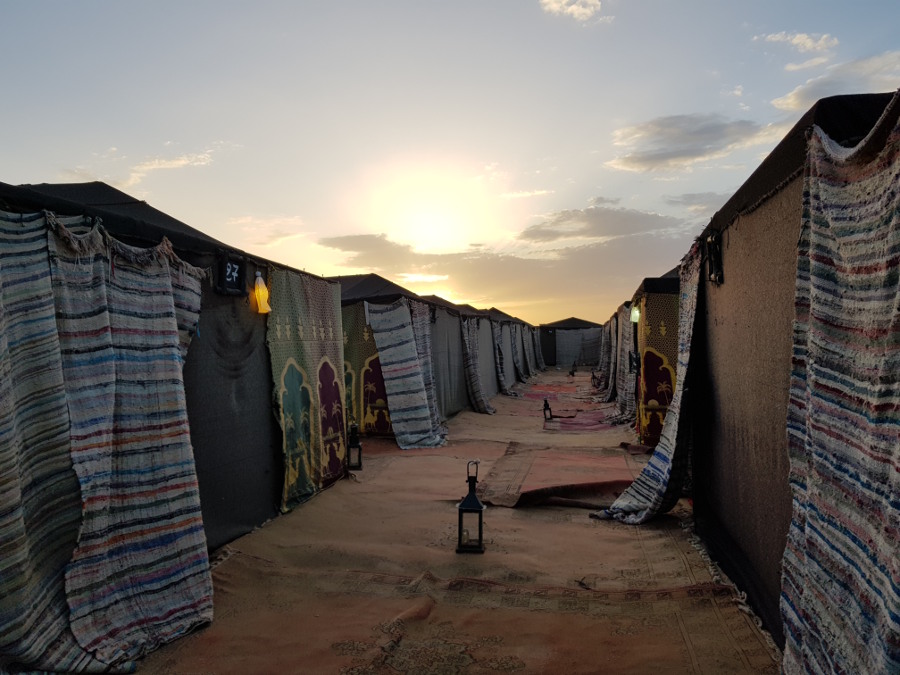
271,231
140,171
874,74
677,142
699,204
526,193
802,42
580,10
598,223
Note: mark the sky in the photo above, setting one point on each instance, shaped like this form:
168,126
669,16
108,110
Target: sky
538,156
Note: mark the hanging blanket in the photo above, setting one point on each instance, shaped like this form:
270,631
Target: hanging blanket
626,378
841,570
515,333
411,416
139,576
497,334
307,352
609,363
659,486
469,329
421,316
40,505
538,354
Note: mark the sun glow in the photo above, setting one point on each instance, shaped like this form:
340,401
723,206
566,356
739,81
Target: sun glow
432,209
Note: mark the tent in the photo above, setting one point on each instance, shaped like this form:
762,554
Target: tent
743,352
459,353
168,385
655,308
571,341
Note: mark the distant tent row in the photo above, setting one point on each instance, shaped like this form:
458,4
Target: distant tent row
137,367
470,357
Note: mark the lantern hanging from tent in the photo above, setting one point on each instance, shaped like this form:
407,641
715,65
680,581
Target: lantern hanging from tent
262,295
471,516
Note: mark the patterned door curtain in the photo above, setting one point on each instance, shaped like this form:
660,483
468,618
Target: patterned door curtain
306,347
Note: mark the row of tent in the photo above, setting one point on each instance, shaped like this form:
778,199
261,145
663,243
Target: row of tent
765,370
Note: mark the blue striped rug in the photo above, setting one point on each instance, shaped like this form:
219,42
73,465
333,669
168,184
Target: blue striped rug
139,575
411,416
841,569
40,505
657,488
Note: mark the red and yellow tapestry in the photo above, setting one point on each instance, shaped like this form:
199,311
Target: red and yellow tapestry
366,393
658,347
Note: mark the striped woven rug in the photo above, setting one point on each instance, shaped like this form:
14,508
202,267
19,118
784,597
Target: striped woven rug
40,506
841,570
411,416
469,328
658,486
139,576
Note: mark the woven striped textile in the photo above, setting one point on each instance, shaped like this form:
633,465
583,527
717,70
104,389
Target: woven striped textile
306,348
500,364
469,329
515,332
411,416
658,487
40,505
421,317
536,344
139,575
841,569
626,378
609,362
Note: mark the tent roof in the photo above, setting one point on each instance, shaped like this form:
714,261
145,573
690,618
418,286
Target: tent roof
658,285
122,215
467,310
370,287
571,323
846,119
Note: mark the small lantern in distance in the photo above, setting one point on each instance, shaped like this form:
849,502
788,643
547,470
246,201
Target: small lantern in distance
470,508
548,414
261,292
354,448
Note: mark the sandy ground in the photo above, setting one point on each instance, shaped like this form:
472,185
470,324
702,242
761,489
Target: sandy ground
364,578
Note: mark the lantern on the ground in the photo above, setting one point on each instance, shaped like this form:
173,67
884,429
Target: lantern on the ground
548,414
471,516
354,448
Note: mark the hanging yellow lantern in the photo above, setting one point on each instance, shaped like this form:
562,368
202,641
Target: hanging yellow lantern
262,295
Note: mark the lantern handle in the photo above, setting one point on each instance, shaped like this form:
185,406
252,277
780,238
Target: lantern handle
476,462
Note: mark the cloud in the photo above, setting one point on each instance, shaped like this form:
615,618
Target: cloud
140,171
588,280
580,10
526,193
879,73
373,251
268,231
699,204
802,42
677,142
597,223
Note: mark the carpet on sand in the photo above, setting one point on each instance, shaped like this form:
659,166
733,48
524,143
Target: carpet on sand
529,475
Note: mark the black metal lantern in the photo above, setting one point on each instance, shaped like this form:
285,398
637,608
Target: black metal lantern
548,414
471,509
354,448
